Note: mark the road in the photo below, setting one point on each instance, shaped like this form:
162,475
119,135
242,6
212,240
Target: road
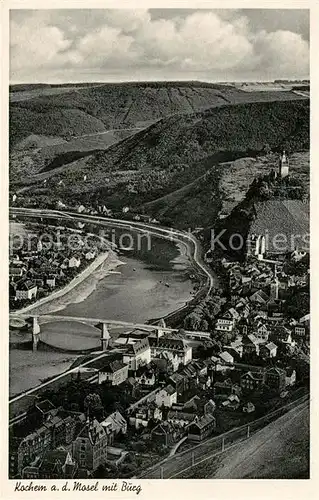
107,132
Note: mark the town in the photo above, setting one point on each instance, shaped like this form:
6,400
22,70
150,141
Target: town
154,393
44,259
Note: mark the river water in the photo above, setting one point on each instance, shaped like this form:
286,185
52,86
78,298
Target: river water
151,281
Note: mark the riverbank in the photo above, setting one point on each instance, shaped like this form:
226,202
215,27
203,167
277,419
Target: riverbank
109,258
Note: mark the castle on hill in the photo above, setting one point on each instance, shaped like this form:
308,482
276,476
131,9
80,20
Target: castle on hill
283,170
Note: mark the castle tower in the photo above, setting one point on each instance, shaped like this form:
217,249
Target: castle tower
105,337
35,333
283,165
274,287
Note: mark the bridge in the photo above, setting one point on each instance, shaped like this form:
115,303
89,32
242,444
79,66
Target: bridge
104,325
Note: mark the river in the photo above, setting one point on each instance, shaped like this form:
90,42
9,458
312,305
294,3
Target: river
151,281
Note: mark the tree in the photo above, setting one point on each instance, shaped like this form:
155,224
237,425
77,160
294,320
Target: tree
93,404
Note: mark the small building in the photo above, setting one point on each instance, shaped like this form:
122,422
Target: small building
201,428
166,433
268,350
180,418
113,425
145,376
227,358
261,331
259,297
90,255
250,345
166,396
114,371
251,381
248,407
50,281
57,464
26,290
301,331
225,323
74,262
142,415
275,378
231,403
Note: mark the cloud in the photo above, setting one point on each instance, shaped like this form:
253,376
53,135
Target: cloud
123,40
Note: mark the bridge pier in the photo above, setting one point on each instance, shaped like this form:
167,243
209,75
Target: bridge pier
105,337
35,333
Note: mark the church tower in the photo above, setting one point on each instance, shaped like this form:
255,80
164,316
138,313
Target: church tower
274,287
283,165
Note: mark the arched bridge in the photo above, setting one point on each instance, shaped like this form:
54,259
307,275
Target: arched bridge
35,321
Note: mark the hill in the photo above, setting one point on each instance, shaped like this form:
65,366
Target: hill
74,110
173,153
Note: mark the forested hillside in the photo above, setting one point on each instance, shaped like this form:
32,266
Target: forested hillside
69,111
173,153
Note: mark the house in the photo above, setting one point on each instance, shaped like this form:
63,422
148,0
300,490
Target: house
16,270
113,425
231,403
248,407
142,415
166,433
201,428
250,345
251,381
259,297
145,376
209,407
57,464
261,331
50,281
193,405
89,448
179,418
237,347
166,396
225,323
26,290
138,353
268,350
226,358
180,381
114,371
74,262
275,378
32,447
234,314
90,255
301,331
225,388
283,335
166,363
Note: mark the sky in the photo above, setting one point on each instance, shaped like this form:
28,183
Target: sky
54,46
